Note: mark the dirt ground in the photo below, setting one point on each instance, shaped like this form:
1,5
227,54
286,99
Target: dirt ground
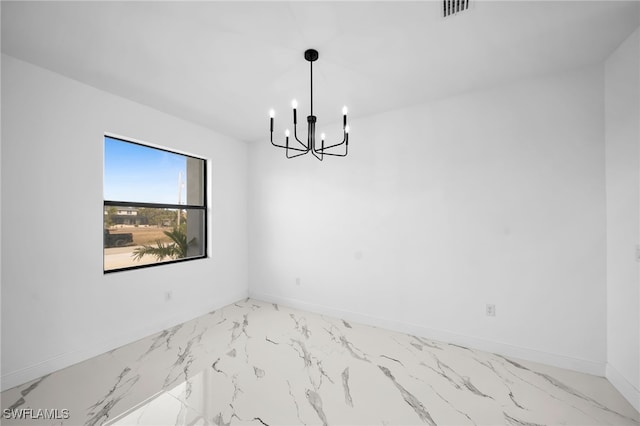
143,235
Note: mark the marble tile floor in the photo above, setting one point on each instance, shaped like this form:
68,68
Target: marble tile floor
256,363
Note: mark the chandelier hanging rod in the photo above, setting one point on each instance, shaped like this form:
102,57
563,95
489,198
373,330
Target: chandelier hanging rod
311,55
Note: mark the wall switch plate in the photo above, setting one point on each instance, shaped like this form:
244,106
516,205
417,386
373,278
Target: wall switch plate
491,310
297,280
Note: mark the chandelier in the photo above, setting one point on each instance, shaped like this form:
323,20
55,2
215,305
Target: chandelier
299,148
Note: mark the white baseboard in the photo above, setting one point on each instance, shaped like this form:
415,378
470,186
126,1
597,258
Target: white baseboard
66,359
630,392
556,360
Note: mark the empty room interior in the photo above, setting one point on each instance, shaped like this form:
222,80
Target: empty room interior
320,213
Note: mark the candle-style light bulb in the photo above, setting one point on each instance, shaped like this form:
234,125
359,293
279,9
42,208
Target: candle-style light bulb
322,136
294,104
271,114
286,133
344,110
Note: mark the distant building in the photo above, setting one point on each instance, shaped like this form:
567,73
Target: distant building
126,216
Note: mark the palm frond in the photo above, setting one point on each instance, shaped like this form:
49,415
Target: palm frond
177,249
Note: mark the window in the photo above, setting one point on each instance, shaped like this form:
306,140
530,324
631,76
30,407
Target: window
155,208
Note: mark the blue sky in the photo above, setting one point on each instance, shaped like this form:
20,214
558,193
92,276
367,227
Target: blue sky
135,172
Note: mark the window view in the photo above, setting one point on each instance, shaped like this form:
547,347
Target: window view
154,206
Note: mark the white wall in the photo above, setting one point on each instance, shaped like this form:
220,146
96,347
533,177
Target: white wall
57,306
622,92
495,196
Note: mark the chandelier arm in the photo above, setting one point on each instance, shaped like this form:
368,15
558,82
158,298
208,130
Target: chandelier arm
336,155
301,151
318,151
275,144
283,146
294,149
346,150
313,147
316,155
332,146
295,129
296,155
295,135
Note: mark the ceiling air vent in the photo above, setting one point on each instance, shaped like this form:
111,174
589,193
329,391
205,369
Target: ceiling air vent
451,7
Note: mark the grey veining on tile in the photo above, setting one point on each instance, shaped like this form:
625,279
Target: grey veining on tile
413,402
345,385
316,402
101,410
255,363
24,392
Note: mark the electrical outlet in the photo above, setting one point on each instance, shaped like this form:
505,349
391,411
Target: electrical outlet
491,310
297,280
168,295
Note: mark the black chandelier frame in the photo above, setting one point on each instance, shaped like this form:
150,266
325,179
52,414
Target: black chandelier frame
311,55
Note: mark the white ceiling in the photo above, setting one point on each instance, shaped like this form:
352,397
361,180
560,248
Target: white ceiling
225,64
